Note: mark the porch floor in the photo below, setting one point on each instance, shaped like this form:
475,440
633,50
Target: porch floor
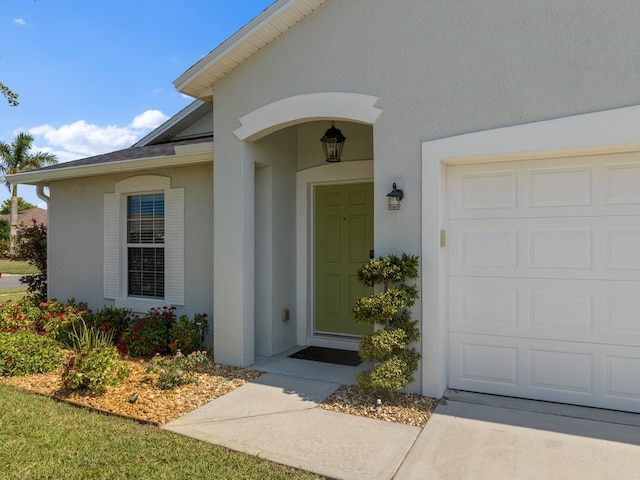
294,367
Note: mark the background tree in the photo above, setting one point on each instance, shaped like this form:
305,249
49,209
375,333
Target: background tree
5,234
22,206
11,97
31,245
16,157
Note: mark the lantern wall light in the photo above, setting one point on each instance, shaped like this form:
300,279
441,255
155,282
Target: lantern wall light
395,196
332,144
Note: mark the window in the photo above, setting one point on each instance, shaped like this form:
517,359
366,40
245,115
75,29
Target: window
144,243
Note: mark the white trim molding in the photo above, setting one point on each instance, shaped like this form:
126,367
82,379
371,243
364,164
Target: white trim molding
354,107
611,131
114,254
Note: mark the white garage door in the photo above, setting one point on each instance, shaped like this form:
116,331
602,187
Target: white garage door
544,279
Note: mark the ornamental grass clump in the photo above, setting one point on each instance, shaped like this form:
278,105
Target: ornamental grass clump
177,370
389,347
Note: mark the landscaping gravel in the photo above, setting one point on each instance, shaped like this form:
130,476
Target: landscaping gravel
158,406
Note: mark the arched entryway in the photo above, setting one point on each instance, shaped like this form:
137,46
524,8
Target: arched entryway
302,121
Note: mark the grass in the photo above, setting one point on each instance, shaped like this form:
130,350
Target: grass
44,439
16,267
13,294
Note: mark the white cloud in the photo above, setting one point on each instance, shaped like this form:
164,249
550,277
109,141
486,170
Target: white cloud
149,119
85,138
81,139
19,21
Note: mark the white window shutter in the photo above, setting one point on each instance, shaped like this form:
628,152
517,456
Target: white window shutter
174,246
111,253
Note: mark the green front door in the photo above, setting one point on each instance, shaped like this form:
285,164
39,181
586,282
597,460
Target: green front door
343,239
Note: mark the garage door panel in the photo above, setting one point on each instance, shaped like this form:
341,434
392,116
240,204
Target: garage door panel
621,182
604,248
599,376
568,186
578,311
599,185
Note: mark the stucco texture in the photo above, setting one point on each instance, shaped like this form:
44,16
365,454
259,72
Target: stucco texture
76,262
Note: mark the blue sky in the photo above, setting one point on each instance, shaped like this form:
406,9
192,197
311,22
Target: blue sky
95,76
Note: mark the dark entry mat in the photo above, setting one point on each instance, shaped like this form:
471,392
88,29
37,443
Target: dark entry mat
329,355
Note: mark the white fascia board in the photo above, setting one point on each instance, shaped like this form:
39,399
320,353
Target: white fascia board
250,33
46,176
160,130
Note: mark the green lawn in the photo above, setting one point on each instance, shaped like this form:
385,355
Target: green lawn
44,439
16,267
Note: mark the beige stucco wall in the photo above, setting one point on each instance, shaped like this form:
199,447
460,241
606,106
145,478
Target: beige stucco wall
76,240
440,69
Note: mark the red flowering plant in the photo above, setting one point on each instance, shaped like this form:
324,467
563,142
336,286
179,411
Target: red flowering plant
16,316
58,320
148,335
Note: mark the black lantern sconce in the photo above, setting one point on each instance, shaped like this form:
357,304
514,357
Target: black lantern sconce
332,144
395,197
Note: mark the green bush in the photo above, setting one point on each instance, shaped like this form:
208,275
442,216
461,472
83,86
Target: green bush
148,335
389,348
111,320
31,245
21,315
94,369
96,363
188,335
59,320
176,371
26,352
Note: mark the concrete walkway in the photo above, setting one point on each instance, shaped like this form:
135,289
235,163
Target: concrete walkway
470,436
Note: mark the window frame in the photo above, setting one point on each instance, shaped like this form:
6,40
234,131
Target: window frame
116,246
144,245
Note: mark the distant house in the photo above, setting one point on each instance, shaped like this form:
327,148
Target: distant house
513,129
26,217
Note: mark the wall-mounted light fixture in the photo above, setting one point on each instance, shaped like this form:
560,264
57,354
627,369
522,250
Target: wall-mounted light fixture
395,197
332,144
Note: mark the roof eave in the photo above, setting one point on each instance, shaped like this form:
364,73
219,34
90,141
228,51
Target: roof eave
44,177
262,30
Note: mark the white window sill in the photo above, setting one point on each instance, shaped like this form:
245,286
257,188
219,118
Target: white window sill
140,305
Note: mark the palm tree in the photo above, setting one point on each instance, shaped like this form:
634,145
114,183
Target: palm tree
15,158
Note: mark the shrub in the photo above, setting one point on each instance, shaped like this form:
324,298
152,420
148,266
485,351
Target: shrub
94,369
111,320
176,371
31,245
21,315
148,335
389,348
188,334
59,320
25,352
96,363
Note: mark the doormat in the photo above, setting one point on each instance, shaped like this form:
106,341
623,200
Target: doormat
329,355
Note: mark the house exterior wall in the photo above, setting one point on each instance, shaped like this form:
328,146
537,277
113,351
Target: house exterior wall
439,70
76,241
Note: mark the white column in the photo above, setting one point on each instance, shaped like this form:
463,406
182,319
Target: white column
233,252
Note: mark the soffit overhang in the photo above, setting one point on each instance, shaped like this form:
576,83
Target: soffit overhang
198,80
